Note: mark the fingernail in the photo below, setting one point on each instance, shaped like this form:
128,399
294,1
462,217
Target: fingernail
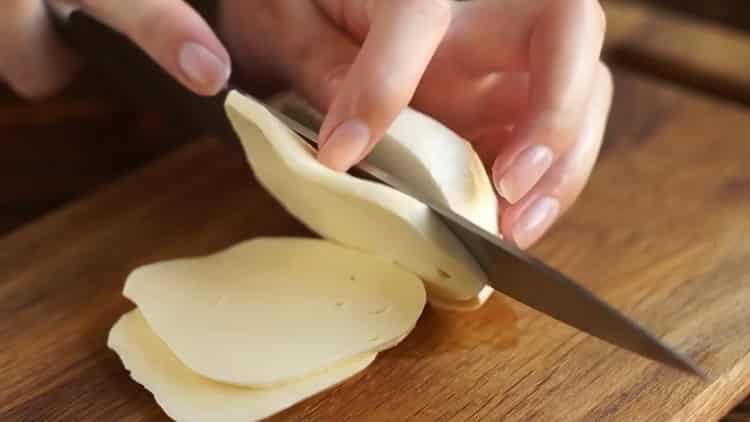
525,171
535,220
202,67
346,145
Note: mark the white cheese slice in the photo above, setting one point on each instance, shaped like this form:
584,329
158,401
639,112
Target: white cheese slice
188,397
426,154
270,310
354,212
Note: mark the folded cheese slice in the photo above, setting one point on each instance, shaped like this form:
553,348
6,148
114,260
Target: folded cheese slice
270,310
188,397
428,155
354,212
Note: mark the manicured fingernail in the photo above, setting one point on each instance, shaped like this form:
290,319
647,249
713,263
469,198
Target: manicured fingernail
203,67
535,220
346,145
525,171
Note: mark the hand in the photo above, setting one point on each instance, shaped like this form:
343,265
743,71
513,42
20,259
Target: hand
521,79
35,63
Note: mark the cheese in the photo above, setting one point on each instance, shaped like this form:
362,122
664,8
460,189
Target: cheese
188,397
270,310
354,212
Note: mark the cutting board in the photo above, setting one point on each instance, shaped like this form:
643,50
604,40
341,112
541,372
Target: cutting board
662,232
697,53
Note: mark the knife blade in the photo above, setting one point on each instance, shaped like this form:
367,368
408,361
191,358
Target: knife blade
530,281
508,269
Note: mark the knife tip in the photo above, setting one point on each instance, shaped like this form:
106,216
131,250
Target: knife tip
694,370
685,364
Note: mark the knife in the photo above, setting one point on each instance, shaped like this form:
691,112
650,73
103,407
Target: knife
508,269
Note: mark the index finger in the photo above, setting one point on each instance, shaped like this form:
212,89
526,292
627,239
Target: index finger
402,38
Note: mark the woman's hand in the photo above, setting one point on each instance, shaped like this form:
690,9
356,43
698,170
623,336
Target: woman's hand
35,63
521,79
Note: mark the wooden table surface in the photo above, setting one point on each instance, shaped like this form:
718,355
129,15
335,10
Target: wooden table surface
662,232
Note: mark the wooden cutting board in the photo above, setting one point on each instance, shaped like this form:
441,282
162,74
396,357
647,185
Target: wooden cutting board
700,54
662,232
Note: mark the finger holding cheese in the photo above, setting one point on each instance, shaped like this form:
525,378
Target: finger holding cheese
440,164
428,156
270,310
354,212
188,397
436,161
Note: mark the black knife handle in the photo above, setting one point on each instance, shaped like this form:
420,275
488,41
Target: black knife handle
133,76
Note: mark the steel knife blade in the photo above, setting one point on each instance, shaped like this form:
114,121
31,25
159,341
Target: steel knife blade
530,281
508,269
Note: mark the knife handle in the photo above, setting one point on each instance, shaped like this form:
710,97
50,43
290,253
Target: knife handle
136,78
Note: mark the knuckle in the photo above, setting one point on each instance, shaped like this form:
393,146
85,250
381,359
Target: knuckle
151,22
567,183
604,72
37,75
389,97
323,86
335,74
594,11
591,10
35,66
600,16
33,85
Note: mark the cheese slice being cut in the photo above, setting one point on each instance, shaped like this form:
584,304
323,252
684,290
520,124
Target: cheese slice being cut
439,163
354,212
188,397
427,155
248,331
270,310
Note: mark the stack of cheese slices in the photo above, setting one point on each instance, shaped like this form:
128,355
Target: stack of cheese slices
250,330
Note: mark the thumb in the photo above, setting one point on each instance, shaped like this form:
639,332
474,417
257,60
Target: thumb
402,39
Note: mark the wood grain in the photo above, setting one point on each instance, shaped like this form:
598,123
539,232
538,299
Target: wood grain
662,232
703,56
729,13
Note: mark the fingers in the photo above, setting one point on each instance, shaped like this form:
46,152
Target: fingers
527,220
482,110
172,34
403,36
565,46
489,36
321,73
313,58
33,61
